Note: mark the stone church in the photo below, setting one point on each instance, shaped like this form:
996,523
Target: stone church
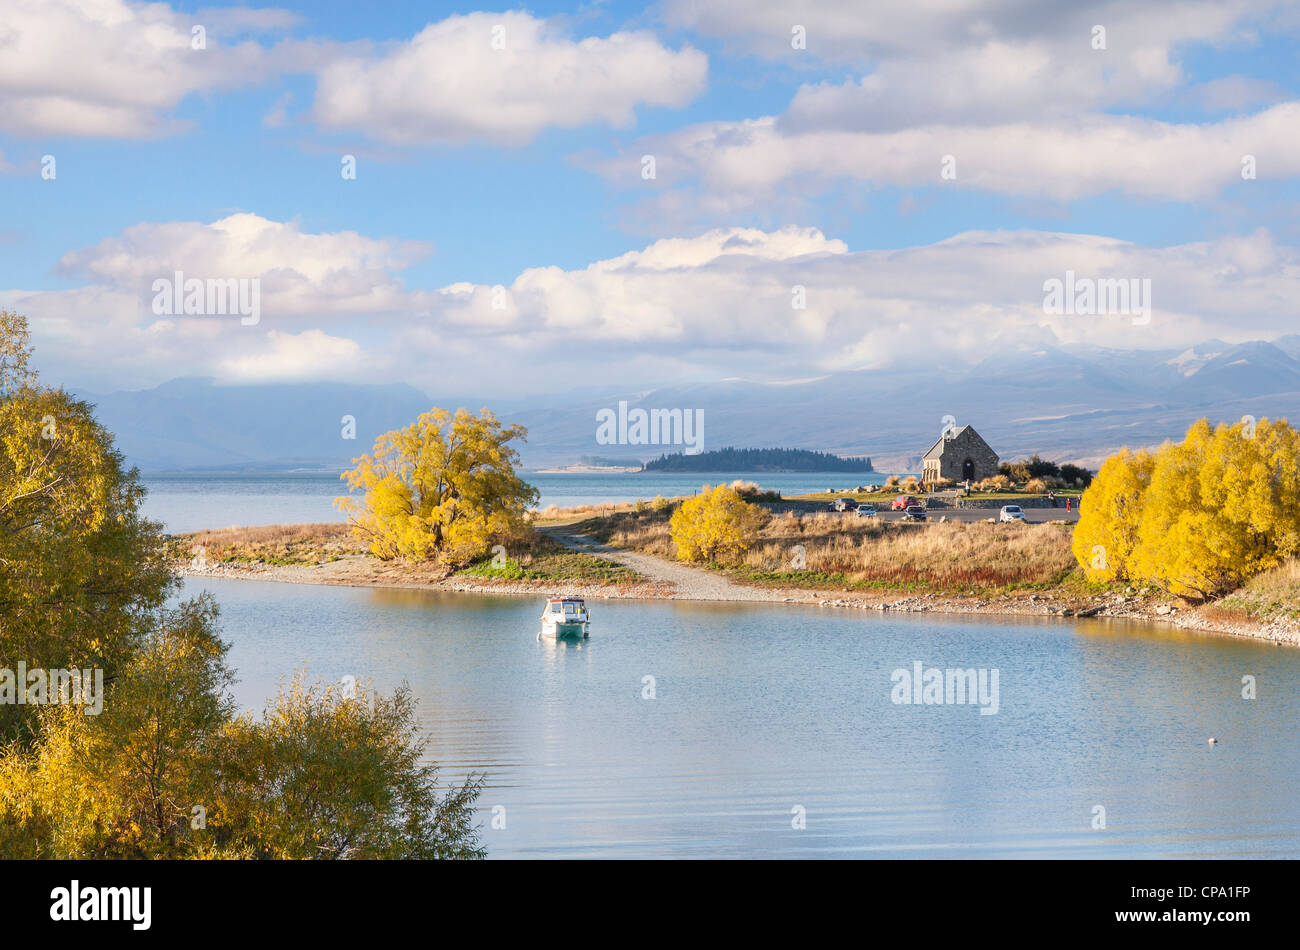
960,454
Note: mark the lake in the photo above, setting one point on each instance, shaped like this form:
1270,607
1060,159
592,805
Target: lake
196,502
762,710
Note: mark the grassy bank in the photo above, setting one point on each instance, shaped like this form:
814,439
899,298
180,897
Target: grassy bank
832,552
953,566
1273,595
536,557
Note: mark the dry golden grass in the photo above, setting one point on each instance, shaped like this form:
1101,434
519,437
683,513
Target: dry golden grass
553,514
836,550
1275,594
275,544
944,556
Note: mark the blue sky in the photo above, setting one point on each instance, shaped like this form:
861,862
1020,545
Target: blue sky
776,166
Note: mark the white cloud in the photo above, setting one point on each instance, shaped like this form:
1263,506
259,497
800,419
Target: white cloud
300,274
841,31
311,354
120,68
116,68
746,163
449,85
715,305
1013,89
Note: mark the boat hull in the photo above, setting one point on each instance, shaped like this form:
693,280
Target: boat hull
565,631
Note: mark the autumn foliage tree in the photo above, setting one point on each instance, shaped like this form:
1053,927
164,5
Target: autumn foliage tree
81,569
84,584
168,770
716,525
1107,533
442,488
1198,518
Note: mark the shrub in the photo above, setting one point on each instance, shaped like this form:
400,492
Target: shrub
1075,475
996,483
716,525
1025,469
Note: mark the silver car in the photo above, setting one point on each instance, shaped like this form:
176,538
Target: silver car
1011,513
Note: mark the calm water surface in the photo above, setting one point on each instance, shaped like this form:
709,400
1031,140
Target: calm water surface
197,502
759,709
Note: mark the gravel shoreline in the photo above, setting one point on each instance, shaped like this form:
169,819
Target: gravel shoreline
668,580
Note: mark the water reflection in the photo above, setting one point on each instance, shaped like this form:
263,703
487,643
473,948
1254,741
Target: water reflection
759,709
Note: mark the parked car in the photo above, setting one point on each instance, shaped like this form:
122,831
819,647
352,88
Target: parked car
914,513
844,504
1011,513
866,511
903,502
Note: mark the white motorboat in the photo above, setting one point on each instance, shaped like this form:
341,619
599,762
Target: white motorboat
566,617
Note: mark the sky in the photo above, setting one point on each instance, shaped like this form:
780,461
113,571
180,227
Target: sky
630,196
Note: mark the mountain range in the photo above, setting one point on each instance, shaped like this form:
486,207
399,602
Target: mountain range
1070,403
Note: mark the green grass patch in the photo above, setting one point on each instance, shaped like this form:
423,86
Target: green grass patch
558,566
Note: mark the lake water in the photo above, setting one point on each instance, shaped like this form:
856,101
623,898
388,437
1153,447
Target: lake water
761,709
195,502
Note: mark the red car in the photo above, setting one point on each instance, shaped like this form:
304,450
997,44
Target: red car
902,502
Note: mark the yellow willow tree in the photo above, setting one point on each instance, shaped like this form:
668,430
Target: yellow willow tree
1224,505
444,487
1200,517
716,525
1107,532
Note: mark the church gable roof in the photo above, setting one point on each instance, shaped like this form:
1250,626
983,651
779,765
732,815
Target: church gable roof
936,450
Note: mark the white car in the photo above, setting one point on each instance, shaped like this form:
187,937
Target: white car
1011,513
866,511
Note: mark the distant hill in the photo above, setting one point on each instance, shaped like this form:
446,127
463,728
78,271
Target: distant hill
758,460
1073,403
195,424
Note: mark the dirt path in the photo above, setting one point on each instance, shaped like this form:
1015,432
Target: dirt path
689,583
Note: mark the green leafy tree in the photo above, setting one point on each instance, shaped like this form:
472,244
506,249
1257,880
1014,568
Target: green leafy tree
324,775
